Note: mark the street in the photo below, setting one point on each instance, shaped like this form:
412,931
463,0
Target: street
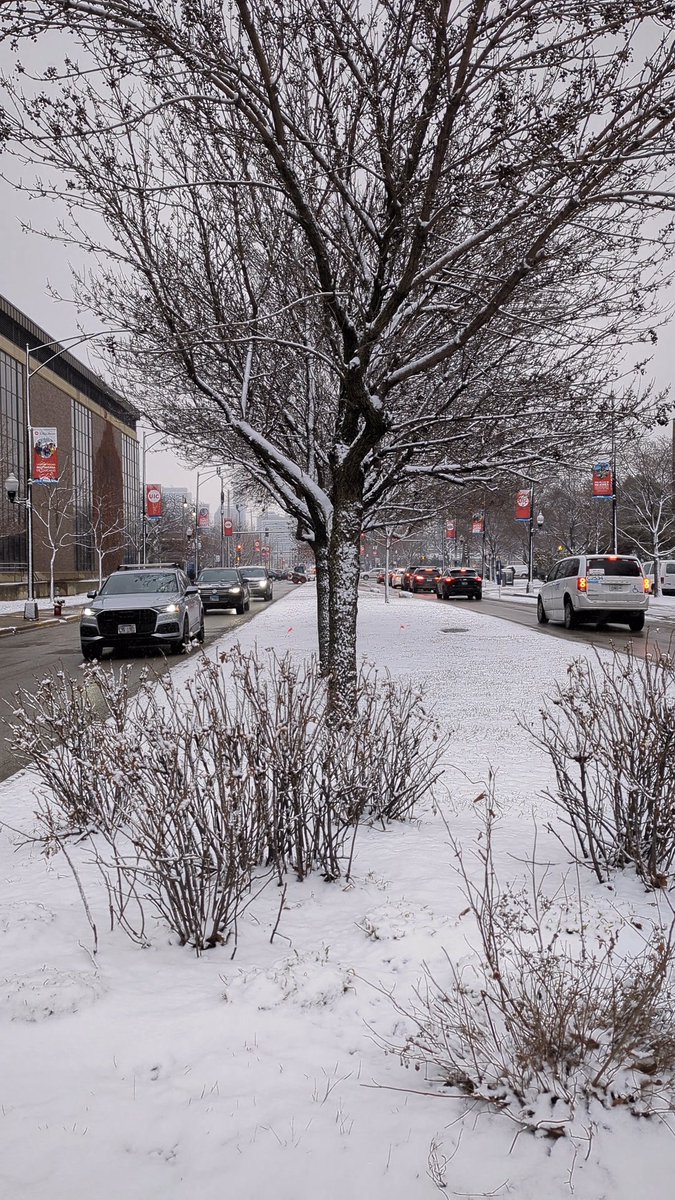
41,649
659,630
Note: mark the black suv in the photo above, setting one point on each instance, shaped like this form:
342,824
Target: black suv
259,582
223,587
152,605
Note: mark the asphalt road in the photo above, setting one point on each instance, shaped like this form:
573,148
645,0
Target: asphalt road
38,651
658,632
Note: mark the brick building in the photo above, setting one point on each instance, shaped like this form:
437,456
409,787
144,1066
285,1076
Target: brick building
95,503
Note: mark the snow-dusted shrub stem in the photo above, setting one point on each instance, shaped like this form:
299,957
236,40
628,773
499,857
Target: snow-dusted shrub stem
188,793
609,730
546,1018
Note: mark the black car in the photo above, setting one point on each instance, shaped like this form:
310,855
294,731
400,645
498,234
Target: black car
259,582
223,587
460,581
142,606
423,579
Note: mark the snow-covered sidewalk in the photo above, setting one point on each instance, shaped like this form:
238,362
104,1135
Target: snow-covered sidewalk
150,1074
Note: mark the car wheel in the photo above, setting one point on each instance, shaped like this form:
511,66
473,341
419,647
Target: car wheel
205,608
570,615
479,595
636,622
541,612
182,644
200,631
247,605
241,609
92,653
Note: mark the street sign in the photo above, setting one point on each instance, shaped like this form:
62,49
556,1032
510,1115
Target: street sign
256,545
228,528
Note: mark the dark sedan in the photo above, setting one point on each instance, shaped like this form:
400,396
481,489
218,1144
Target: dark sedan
223,587
424,579
460,581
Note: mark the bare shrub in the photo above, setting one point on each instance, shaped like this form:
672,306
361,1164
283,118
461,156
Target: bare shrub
187,794
610,733
74,732
545,1017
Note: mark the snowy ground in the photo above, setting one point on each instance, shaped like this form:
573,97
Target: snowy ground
151,1073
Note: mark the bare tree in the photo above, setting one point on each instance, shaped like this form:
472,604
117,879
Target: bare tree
103,530
54,514
354,244
646,517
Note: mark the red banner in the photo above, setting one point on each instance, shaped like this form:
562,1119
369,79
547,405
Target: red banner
524,505
45,455
478,523
203,516
450,529
153,501
228,528
603,484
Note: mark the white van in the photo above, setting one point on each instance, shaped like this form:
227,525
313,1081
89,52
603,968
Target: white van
666,574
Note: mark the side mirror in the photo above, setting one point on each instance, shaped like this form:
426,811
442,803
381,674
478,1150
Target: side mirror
191,590
91,595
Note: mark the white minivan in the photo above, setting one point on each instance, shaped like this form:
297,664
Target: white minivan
666,575
595,587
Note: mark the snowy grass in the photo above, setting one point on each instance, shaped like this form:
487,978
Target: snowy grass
149,1073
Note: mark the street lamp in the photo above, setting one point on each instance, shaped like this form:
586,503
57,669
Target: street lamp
12,489
540,522
208,473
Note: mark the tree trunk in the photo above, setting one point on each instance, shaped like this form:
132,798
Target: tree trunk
322,602
343,571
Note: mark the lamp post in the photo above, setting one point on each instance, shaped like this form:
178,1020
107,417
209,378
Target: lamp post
540,522
12,489
215,472
144,499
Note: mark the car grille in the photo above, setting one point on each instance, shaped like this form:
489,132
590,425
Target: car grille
144,619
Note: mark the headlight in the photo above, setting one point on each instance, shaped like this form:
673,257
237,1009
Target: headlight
171,608
88,612
234,590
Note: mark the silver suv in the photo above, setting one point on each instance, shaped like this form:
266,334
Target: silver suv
595,587
154,605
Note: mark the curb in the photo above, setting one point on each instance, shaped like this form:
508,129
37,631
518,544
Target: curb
41,623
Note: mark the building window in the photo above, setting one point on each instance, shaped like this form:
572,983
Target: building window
82,487
13,546
131,497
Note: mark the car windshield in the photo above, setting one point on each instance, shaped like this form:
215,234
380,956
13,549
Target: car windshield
254,572
218,575
463,572
127,583
614,565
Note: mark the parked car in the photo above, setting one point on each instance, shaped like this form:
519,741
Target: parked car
396,578
142,606
595,587
460,581
223,587
424,579
259,582
666,575
298,577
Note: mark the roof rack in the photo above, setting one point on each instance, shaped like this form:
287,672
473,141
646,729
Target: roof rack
173,566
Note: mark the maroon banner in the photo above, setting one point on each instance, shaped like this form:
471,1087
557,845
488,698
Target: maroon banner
45,455
524,505
228,528
450,529
478,523
153,501
203,516
603,484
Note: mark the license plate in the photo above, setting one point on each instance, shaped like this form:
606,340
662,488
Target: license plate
616,587
126,629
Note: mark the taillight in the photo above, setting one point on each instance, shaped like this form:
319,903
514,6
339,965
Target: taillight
419,579
582,584
647,585
479,578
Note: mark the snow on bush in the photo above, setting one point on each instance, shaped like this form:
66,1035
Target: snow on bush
610,734
188,798
552,1011
47,992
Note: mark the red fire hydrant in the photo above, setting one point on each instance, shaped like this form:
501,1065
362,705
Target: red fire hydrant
58,606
